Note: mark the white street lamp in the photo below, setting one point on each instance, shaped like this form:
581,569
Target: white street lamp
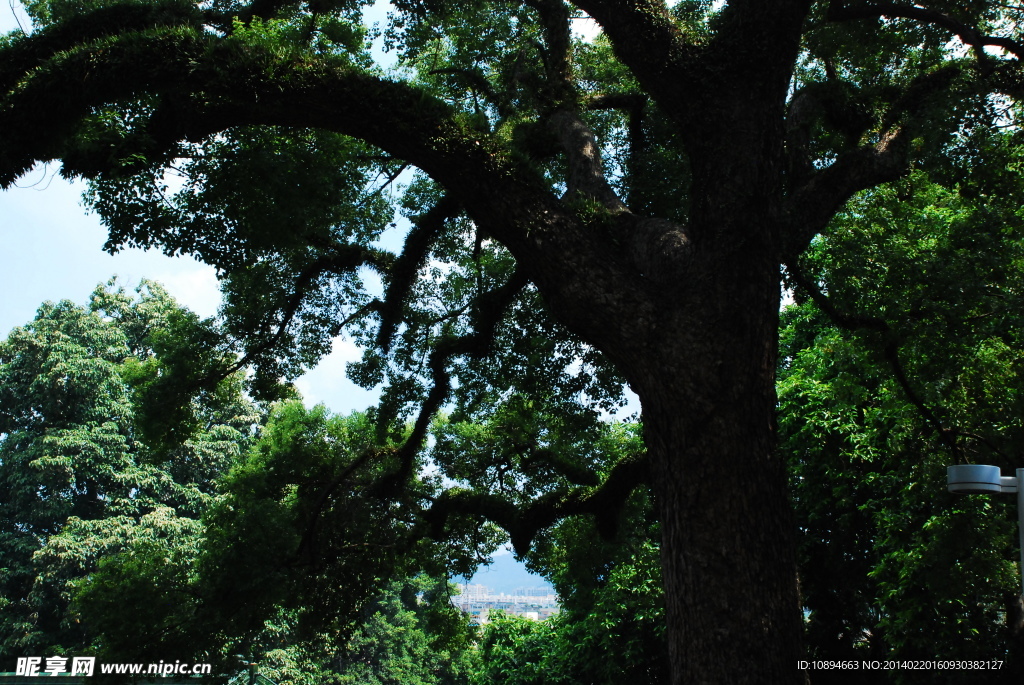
976,478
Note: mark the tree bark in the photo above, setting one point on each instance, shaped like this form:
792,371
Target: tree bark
728,545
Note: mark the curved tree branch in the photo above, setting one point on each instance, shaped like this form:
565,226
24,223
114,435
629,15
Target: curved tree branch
816,196
968,34
30,51
226,82
229,83
522,524
487,314
813,203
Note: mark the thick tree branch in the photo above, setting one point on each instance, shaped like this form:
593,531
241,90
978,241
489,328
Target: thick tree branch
522,524
554,16
647,40
771,29
28,52
402,275
753,48
586,171
815,197
226,81
639,25
812,205
634,105
968,34
833,105
627,101
804,109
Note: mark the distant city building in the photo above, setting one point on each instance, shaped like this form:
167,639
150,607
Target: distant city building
536,604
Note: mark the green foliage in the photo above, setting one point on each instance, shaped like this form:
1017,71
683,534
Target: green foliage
615,607
280,295
411,634
296,546
408,633
301,492
892,564
608,577
514,650
132,602
80,482
728,131
612,603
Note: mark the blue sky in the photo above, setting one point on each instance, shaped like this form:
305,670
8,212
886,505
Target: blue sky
52,250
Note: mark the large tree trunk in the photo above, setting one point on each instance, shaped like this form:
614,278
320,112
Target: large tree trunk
728,540
706,381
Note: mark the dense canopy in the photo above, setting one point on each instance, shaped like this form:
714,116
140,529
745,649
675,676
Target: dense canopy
583,214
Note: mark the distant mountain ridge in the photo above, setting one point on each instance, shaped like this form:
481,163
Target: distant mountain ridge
507,575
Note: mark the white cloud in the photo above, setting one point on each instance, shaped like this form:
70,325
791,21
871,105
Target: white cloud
327,384
585,28
196,287
14,18
53,251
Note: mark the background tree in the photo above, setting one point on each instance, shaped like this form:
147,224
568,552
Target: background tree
138,537
409,633
628,203
78,481
412,634
516,650
880,390
285,561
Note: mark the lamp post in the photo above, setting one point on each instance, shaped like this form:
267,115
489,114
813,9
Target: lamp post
968,479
